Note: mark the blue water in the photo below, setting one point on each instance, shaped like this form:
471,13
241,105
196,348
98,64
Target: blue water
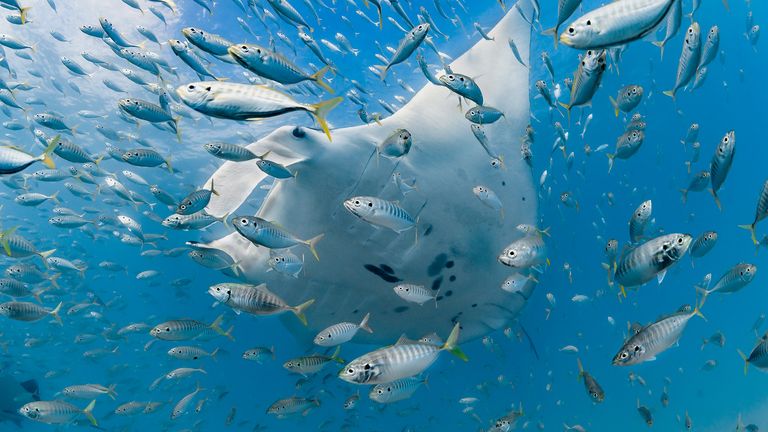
502,372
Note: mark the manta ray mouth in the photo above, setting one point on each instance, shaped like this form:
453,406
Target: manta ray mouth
457,236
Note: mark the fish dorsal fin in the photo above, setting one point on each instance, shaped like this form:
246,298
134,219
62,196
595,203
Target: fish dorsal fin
402,340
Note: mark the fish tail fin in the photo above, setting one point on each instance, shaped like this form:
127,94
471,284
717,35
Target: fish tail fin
168,164
581,368
335,356
317,77
437,294
23,14
615,105
551,31
299,310
321,110
611,157
44,256
213,189
660,44
4,239
312,243
751,229
382,71
623,291
54,197
216,326
176,121
45,157
213,354
717,199
670,93
568,110
111,391
451,344
53,279
55,313
364,323
88,412
545,231
746,361
700,304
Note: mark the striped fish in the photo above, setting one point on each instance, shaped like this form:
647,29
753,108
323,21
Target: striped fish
721,163
689,59
402,360
650,259
256,300
380,212
761,212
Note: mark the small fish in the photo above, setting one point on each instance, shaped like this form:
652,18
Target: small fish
689,59
380,212
340,333
721,163
527,252
402,360
489,198
645,413
256,300
312,364
248,102
758,357
13,160
273,66
628,98
292,405
187,329
183,404
586,79
188,353
516,52
698,183
672,24
650,259
397,390
626,146
703,244
28,312
733,280
259,354
616,24
463,86
569,200
396,145
711,47
57,412
407,46
761,212
265,233
593,388
639,220
654,338
418,294
483,115
196,201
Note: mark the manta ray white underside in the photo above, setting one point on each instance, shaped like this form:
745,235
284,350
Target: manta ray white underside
458,236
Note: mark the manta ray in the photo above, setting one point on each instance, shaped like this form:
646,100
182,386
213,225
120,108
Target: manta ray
452,249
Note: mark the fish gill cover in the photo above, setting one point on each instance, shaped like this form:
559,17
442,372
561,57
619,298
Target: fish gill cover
393,179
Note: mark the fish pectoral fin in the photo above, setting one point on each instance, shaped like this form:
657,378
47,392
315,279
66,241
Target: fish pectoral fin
650,359
660,276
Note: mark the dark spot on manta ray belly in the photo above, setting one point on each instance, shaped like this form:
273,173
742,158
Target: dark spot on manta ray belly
437,264
436,283
401,309
385,275
449,293
427,231
387,268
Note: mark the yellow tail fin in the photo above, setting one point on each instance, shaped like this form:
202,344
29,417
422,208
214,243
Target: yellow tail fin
299,310
451,345
321,111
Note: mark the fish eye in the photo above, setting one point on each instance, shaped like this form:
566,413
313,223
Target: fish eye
191,87
511,253
357,202
244,221
298,132
350,371
624,355
680,240
570,30
589,23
